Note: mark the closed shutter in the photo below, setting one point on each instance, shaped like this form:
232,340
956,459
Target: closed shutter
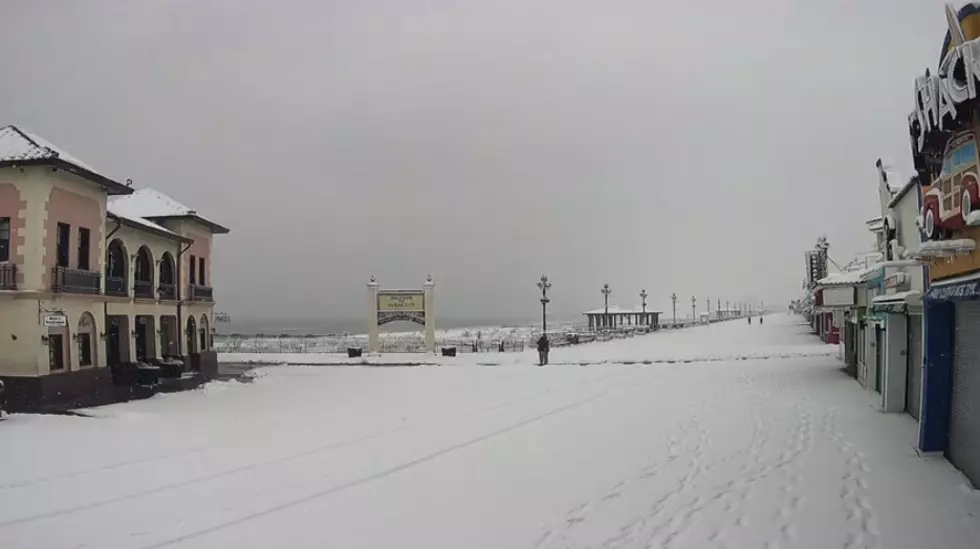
913,382
964,424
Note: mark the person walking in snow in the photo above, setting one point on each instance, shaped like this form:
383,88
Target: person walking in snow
750,320
760,320
543,348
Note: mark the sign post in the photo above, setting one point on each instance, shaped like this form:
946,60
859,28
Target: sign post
386,306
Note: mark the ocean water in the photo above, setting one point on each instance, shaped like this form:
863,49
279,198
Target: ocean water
328,326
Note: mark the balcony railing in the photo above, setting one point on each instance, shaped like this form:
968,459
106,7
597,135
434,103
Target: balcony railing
8,276
75,281
143,288
167,291
201,293
115,286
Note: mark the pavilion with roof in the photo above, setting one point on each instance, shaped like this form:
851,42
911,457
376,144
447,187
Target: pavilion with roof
616,317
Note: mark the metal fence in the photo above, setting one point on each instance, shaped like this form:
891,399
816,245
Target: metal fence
321,344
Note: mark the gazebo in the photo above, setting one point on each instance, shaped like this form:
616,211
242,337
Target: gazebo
616,317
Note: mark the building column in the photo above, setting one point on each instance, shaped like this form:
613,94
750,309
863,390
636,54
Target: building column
429,290
374,341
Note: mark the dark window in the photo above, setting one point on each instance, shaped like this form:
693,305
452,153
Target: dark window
193,270
4,239
56,352
200,274
83,246
84,349
64,235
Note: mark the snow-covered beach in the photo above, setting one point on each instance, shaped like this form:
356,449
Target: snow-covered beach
726,435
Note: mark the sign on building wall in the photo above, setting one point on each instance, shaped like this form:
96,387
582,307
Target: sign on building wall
55,320
895,281
838,296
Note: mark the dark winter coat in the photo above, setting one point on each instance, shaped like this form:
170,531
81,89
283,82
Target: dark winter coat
543,345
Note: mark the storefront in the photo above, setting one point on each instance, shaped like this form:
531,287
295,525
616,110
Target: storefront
901,384
950,418
945,156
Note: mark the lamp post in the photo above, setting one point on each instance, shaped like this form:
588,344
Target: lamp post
544,285
643,298
694,309
673,298
606,290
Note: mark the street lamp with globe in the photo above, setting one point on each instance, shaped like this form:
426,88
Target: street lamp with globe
606,290
544,285
673,298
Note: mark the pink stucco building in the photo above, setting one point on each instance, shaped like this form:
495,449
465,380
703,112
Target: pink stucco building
105,290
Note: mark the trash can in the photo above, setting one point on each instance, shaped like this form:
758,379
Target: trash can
354,352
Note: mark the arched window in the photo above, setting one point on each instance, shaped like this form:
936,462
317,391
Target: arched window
116,269
143,283
167,285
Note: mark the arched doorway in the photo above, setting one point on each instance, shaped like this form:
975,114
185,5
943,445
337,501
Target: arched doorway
116,269
117,339
167,280
85,337
204,333
146,348
143,277
191,335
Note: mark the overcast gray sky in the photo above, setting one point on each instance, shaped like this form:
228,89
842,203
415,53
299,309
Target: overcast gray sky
688,147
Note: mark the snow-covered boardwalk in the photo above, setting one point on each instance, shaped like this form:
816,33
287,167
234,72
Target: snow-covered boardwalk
727,435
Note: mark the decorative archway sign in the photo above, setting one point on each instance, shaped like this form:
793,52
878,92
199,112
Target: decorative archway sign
415,305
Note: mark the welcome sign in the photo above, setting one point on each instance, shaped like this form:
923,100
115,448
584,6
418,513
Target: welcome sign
401,301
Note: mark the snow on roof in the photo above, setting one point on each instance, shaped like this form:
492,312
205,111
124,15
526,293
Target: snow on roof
17,144
903,191
845,278
944,248
144,223
896,297
613,310
151,203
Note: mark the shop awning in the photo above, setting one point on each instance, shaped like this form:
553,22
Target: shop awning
898,302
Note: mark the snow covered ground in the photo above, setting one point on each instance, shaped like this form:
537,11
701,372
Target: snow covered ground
732,436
